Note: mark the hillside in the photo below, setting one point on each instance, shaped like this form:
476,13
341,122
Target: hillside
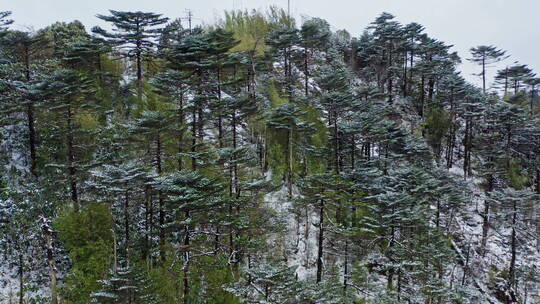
259,160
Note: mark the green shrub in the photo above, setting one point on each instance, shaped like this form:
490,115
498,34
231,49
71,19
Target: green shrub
87,236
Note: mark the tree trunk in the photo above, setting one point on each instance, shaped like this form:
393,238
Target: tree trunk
422,96
346,265
290,162
411,70
306,71
161,210
336,143
532,99
185,268
404,86
484,74
485,215
390,77
50,262
506,82
537,212
220,117
30,116
126,223
181,132
71,160
320,242
147,225
21,277
138,59
512,269
31,138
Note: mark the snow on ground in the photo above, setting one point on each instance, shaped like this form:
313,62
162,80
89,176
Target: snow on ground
299,242
469,238
9,287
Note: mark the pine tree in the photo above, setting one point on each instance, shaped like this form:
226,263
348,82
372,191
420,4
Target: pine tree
288,118
511,202
135,34
119,183
193,200
485,55
154,125
532,83
387,33
281,42
193,56
315,36
4,21
254,146
121,287
67,92
413,32
513,76
24,47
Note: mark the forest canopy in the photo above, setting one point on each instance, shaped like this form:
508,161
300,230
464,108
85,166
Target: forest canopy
261,159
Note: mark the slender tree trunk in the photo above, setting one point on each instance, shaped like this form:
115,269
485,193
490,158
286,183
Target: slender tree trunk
411,70
512,268
306,71
506,82
336,143
220,116
30,117
452,137
31,138
320,242
450,147
126,222
404,87
438,214
467,148
151,223
484,74
234,181
486,215
235,145
161,210
21,277
290,162
346,265
532,99
200,125
181,132
147,225
390,77
353,152
50,262
422,96
537,211
185,268
138,58
390,281
71,160
194,138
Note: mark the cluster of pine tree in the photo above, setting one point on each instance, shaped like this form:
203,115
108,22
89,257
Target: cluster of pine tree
260,161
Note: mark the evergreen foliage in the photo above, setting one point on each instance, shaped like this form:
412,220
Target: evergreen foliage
257,160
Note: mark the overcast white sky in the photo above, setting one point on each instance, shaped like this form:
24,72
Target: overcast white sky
513,25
